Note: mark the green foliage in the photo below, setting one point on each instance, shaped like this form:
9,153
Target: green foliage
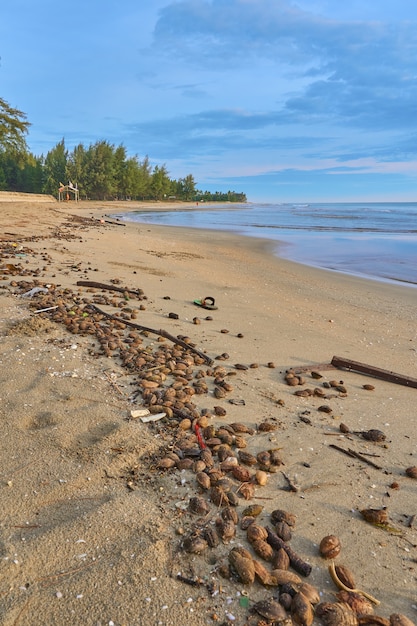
13,128
101,172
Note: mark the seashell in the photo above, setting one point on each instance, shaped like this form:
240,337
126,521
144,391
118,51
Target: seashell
358,604
247,491
203,480
207,457
240,366
261,477
279,515
229,464
199,466
194,544
373,620
198,506
211,537
166,463
246,521
411,471
283,531
301,610
319,393
262,549
262,574
246,458
324,408
255,532
238,427
285,577
336,614
241,473
397,619
243,566
271,610
374,435
253,510
219,411
240,442
224,452
285,600
264,458
316,375
233,499
184,464
375,516
281,560
224,483
266,427
335,383
275,457
303,393
310,592
228,512
345,576
330,547
215,475
219,392
218,496
226,529
368,387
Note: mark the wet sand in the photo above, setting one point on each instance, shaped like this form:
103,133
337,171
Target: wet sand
92,529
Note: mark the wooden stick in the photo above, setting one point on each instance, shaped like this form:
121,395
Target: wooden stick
92,283
161,333
356,455
377,372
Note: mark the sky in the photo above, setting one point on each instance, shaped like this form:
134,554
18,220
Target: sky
285,101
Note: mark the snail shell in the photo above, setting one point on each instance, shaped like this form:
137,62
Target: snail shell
396,619
411,471
271,610
301,610
241,473
330,547
375,516
262,574
336,614
358,604
280,515
243,566
263,549
255,532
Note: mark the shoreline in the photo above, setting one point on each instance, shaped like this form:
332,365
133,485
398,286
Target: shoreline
94,519
290,242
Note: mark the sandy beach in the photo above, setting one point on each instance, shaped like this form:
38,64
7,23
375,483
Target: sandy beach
94,531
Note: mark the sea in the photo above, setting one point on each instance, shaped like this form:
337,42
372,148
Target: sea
375,240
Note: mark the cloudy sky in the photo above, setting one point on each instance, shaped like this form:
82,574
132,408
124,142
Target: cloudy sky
302,100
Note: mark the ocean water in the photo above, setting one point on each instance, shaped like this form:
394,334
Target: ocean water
373,240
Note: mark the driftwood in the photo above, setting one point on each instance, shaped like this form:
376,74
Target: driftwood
377,372
356,455
338,362
91,283
161,333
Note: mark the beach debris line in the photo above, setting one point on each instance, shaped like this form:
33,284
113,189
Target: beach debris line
161,333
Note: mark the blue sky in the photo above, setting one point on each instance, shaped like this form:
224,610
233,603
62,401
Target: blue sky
304,100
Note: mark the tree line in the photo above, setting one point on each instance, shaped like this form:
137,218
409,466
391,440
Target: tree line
100,171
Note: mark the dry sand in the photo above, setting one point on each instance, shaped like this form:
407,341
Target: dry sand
90,528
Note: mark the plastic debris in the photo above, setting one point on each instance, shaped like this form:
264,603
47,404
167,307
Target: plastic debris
34,291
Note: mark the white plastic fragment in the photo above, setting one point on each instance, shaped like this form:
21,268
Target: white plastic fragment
34,291
139,413
152,418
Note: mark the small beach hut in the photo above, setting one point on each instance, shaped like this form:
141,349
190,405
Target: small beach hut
68,192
